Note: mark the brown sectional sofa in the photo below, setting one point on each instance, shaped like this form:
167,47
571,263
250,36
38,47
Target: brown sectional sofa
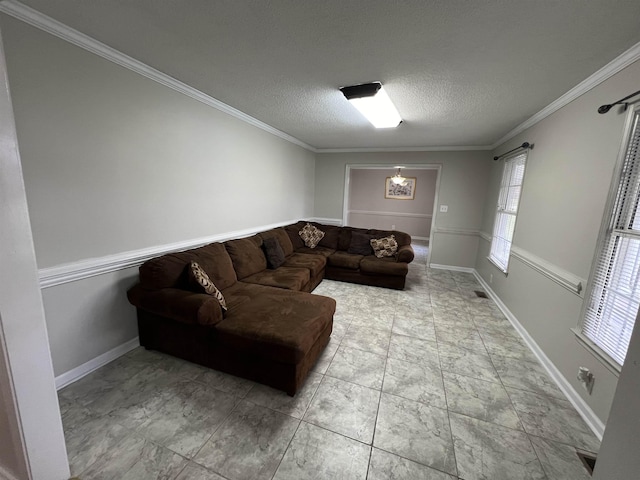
273,330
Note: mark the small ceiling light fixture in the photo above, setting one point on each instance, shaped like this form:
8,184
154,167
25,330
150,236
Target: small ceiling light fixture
373,102
398,179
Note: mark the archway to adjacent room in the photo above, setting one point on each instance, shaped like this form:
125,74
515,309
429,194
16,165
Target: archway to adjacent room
366,205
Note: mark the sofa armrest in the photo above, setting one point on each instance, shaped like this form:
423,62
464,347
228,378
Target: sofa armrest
405,254
181,305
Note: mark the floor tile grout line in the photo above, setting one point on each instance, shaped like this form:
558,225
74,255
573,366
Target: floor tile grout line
446,401
284,454
384,373
524,427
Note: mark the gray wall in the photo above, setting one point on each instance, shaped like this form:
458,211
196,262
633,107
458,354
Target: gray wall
114,162
463,182
367,194
565,189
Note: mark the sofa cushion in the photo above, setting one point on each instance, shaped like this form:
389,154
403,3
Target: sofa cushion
275,323
273,252
314,263
372,265
360,244
330,238
292,232
283,238
384,247
202,283
247,255
290,278
344,238
311,235
322,251
345,260
169,271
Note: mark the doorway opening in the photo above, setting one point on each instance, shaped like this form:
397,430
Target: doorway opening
368,204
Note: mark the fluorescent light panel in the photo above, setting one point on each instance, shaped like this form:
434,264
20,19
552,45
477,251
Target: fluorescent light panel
376,107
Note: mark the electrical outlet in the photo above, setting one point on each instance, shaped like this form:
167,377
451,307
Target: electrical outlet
586,378
393,227
444,208
491,278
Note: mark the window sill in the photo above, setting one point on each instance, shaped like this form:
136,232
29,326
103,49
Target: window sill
505,272
597,352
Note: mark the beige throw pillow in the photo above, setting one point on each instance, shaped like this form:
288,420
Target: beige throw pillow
311,235
202,279
384,247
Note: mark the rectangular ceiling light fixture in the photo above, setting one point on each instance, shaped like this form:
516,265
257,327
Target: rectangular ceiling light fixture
374,103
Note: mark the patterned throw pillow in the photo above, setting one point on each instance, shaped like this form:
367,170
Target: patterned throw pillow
384,247
311,235
201,278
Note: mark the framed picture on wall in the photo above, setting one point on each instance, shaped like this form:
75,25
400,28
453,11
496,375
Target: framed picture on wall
404,191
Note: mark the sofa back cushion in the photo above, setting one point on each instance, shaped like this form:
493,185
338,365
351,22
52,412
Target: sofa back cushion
294,237
331,234
360,244
171,270
247,255
344,238
283,239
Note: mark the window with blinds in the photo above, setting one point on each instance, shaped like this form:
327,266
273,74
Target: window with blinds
614,297
508,201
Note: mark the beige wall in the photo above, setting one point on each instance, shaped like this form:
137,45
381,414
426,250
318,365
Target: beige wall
368,207
114,162
565,189
463,182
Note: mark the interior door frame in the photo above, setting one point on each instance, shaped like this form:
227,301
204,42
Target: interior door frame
383,166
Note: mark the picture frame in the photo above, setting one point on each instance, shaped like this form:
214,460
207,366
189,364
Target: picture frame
406,191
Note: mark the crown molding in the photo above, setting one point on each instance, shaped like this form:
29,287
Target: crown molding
622,61
60,30
47,24
405,149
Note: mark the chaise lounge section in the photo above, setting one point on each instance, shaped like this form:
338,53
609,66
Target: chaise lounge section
272,330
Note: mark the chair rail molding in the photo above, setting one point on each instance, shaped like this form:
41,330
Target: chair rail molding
562,277
457,231
391,214
327,221
74,271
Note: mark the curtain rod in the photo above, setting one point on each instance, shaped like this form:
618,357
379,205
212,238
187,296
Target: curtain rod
524,146
606,108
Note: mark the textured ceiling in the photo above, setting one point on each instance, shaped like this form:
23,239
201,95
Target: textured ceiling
461,72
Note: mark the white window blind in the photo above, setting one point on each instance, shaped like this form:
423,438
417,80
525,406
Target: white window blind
508,201
615,285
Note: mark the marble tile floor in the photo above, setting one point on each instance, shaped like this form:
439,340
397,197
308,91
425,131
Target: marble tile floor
427,383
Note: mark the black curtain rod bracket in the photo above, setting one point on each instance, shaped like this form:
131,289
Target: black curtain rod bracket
524,146
606,108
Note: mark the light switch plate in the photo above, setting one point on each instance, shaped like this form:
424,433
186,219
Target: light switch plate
444,208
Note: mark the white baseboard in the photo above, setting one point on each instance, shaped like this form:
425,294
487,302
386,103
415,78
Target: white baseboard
585,411
5,475
437,266
101,360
